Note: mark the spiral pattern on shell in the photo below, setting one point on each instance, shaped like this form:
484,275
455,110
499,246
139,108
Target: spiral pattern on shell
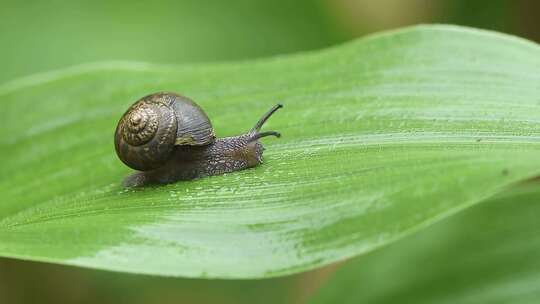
140,124
147,133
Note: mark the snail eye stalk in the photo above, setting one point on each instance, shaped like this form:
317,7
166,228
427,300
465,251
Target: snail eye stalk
254,132
265,117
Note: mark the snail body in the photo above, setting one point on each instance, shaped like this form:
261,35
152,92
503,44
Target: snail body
168,137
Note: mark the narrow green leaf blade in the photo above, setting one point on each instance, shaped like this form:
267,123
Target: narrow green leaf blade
382,137
487,254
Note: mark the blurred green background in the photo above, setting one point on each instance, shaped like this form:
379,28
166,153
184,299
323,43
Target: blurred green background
39,36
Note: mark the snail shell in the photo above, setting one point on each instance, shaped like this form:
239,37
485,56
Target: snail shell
150,129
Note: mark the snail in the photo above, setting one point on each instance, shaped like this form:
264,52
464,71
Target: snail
168,137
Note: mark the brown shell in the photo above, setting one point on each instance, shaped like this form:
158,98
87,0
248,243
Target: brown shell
147,133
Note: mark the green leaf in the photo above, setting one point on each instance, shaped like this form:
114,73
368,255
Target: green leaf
487,254
381,137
